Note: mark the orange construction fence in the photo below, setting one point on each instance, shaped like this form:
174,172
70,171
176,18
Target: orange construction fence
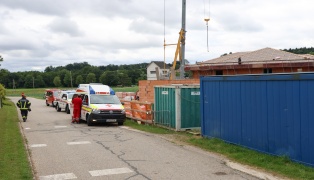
140,111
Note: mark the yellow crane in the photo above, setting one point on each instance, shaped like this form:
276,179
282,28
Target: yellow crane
177,55
180,49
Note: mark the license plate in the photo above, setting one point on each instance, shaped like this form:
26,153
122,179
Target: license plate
111,120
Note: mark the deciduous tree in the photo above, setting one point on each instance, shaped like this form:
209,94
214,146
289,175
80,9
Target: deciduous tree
79,80
110,78
67,79
29,81
57,81
91,78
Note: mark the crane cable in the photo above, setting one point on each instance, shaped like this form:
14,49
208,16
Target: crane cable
206,19
164,34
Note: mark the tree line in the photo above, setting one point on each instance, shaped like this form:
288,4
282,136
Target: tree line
303,50
74,74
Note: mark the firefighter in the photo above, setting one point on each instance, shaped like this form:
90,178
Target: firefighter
77,105
24,106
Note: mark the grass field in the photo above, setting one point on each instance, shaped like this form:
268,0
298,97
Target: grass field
39,92
14,162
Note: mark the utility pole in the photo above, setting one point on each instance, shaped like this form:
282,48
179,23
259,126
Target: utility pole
183,40
71,79
13,84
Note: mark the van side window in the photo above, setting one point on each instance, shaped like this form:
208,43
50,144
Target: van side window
85,100
64,96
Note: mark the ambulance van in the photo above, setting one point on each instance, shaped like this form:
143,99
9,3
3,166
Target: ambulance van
100,105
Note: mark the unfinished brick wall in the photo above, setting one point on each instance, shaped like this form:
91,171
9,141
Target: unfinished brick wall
146,87
256,69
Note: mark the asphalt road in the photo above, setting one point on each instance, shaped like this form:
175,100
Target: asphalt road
62,150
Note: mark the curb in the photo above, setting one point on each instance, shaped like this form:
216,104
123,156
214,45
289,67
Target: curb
251,171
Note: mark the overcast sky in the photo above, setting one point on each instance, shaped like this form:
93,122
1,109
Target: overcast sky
35,34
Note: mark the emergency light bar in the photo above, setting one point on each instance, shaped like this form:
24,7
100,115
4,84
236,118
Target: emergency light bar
99,89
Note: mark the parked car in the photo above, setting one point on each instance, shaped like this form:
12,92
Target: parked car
64,101
51,96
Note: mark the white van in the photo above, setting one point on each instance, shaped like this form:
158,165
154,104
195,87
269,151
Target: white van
64,100
100,105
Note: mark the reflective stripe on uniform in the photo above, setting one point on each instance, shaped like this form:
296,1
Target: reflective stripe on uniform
23,104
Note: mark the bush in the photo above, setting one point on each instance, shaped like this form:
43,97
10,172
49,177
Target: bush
2,94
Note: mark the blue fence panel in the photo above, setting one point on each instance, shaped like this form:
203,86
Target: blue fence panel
211,104
307,123
270,113
254,118
230,99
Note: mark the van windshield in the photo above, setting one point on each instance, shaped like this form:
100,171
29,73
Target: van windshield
70,95
55,93
104,99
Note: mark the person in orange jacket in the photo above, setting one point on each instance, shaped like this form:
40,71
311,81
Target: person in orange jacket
77,105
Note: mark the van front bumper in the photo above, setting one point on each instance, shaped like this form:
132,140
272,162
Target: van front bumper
107,118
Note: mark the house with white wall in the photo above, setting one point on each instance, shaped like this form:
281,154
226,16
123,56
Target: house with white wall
157,70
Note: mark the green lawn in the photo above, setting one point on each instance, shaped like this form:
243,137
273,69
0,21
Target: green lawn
39,92
14,162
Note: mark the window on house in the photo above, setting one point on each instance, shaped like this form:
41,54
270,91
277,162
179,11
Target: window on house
268,70
152,72
164,72
219,72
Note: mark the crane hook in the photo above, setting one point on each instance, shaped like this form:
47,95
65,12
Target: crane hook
206,20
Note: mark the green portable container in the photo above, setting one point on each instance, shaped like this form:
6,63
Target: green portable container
177,106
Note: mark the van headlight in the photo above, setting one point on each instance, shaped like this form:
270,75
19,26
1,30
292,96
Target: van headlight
96,111
123,111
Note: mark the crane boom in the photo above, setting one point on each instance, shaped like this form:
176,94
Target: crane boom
177,53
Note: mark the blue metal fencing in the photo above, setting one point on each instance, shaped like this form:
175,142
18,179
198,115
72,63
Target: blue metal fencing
269,113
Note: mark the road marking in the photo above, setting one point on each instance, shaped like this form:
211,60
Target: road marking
124,127
27,128
110,171
38,145
79,142
60,126
58,176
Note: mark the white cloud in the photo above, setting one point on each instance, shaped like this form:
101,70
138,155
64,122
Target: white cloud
66,26
35,34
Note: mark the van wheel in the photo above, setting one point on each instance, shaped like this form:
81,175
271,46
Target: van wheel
120,123
58,108
89,121
67,110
